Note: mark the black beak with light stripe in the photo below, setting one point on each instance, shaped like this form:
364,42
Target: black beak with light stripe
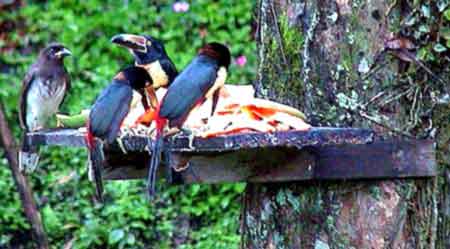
150,54
134,42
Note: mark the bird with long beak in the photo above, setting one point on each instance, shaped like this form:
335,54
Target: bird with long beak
150,54
43,90
107,114
200,80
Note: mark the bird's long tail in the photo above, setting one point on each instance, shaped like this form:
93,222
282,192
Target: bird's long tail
96,159
28,156
156,150
155,156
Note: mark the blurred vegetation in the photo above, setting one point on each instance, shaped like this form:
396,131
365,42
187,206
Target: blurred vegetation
197,216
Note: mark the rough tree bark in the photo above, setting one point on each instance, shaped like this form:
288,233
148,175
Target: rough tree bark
23,187
345,63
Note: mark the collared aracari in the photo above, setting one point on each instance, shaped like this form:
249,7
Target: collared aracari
150,54
200,80
43,90
107,114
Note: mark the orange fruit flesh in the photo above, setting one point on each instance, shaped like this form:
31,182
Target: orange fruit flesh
146,118
228,132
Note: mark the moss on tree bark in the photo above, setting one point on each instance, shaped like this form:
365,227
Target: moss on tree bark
330,59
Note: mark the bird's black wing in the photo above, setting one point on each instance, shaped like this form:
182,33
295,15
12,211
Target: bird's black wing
26,83
109,110
188,89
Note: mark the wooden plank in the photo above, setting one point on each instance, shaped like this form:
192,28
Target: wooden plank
317,154
391,158
298,139
58,137
381,159
318,136
271,164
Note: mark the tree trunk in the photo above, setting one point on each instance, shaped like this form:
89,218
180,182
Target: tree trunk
23,187
348,63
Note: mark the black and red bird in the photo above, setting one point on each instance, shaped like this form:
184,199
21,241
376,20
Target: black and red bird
108,112
200,80
43,90
150,54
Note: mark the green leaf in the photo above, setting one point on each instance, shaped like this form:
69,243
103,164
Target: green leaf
439,48
195,188
225,202
447,14
239,187
50,217
423,53
115,236
442,4
445,32
131,240
425,10
424,28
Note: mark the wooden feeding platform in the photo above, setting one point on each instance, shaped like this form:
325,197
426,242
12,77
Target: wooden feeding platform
316,154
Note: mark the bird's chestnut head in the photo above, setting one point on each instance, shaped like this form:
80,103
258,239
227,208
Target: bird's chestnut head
55,52
144,48
137,77
217,51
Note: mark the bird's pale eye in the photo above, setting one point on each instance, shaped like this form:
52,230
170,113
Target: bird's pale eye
149,43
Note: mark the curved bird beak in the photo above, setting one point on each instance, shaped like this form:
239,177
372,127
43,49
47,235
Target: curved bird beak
133,42
63,53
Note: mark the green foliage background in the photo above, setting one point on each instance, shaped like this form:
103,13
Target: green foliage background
62,190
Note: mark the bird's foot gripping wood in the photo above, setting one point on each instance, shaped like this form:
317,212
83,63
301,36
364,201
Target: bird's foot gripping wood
120,143
191,134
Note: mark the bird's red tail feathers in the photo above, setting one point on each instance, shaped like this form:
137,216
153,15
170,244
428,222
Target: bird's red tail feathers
90,141
160,122
96,158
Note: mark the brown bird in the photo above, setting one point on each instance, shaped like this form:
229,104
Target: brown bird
43,90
